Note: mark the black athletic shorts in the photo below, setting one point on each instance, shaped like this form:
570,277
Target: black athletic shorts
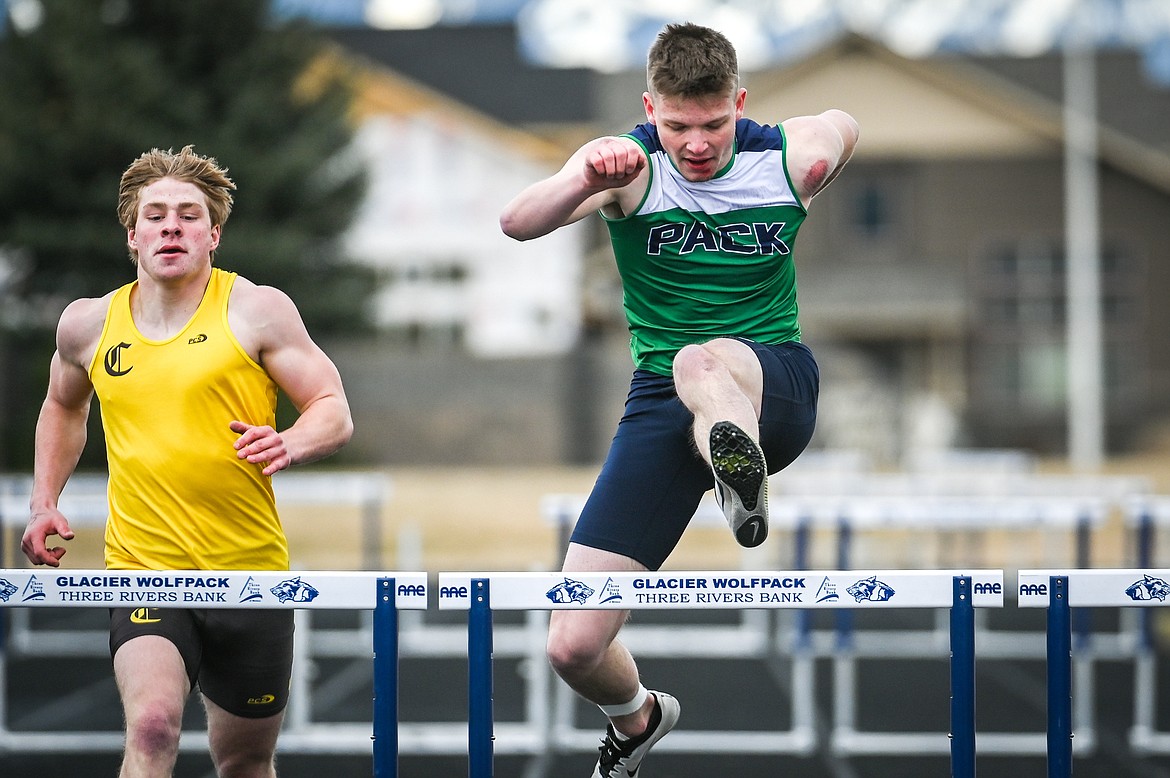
240,659
653,477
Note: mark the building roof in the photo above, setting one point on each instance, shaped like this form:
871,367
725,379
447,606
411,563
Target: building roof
950,106
944,105
381,90
480,66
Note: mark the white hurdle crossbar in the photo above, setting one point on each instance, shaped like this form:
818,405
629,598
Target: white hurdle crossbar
383,593
1062,590
960,591
943,503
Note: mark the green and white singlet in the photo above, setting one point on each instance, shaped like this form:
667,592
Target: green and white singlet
708,259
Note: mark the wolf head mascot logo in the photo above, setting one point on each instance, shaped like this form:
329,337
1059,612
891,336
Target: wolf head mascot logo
1149,588
7,589
294,589
569,591
871,589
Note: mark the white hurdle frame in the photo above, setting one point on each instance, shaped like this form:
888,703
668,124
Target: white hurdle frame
85,503
854,502
480,593
1145,515
384,593
1062,590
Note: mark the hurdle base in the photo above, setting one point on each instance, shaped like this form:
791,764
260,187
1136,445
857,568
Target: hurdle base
800,741
851,742
1147,741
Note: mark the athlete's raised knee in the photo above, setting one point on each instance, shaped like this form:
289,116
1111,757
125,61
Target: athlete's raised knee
693,361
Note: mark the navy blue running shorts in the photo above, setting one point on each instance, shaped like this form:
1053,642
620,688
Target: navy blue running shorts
653,477
240,659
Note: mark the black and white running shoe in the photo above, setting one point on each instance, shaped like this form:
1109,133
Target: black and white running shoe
741,482
622,758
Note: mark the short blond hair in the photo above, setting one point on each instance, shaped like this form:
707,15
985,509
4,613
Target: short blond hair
186,165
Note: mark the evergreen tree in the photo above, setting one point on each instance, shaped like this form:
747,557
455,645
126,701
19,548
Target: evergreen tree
94,84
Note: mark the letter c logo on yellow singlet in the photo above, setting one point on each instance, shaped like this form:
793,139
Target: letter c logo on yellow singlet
113,361
142,616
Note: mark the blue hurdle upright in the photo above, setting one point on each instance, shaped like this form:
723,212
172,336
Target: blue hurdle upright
1060,591
383,593
481,593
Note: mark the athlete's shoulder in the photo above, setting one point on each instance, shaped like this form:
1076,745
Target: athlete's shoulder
85,309
261,315
752,136
647,135
80,327
258,297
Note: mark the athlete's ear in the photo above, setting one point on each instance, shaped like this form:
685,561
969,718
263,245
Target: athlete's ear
215,237
131,240
648,104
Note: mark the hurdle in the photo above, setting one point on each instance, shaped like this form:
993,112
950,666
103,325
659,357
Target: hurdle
482,593
845,504
1145,515
382,593
1062,590
85,503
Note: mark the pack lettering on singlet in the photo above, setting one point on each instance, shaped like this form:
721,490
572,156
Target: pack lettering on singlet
741,238
710,259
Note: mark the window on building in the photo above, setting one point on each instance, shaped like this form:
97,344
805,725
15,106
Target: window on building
872,208
1019,340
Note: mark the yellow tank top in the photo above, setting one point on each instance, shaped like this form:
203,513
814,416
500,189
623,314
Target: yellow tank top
179,498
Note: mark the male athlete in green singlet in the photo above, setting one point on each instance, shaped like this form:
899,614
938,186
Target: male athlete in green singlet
186,362
703,207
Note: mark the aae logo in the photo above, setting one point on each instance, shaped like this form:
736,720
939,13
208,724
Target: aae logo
1149,588
988,587
871,589
569,591
412,590
1034,590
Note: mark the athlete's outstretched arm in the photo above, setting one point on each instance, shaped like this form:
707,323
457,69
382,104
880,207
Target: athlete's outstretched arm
588,181
61,429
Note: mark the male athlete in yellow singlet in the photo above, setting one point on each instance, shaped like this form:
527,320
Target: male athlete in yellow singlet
186,362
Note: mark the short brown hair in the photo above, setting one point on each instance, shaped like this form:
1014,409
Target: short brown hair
688,60
154,165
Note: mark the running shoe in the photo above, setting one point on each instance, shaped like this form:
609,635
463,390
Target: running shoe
741,483
622,758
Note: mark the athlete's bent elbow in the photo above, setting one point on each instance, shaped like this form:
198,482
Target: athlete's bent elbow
514,228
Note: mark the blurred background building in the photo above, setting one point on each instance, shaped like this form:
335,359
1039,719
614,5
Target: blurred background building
935,275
